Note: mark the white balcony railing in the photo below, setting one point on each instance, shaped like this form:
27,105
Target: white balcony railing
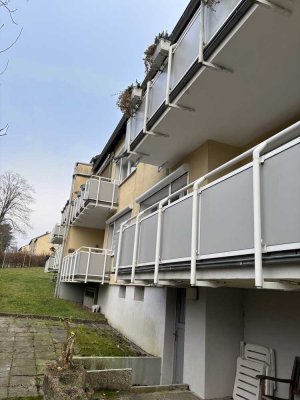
64,214
251,211
182,55
52,264
86,264
94,202
57,234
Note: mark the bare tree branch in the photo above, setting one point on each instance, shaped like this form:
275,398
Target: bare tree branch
14,42
9,10
5,68
5,129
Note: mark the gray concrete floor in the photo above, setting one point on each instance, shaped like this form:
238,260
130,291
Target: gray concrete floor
170,395
26,346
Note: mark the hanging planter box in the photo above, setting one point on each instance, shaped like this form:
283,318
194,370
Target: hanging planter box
161,53
136,96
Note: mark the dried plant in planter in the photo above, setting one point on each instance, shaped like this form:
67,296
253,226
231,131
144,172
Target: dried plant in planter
64,379
66,359
124,101
211,4
151,50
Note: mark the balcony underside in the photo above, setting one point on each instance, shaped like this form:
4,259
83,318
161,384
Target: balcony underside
283,268
81,278
57,239
260,96
93,216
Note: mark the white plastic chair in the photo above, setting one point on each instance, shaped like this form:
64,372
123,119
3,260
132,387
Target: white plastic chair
246,385
265,355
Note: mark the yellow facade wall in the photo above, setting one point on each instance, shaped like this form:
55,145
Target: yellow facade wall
39,246
207,157
79,237
137,183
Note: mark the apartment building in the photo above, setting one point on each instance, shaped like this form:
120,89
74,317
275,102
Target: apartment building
185,229
38,246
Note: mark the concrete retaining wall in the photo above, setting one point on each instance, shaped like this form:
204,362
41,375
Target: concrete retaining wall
145,370
111,379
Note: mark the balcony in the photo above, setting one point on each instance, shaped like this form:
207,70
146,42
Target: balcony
227,89
57,234
226,230
86,264
95,202
64,214
52,264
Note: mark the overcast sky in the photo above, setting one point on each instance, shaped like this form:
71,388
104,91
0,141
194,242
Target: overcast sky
57,93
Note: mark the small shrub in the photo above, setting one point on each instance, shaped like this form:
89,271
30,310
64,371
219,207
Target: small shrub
211,4
150,50
124,101
21,260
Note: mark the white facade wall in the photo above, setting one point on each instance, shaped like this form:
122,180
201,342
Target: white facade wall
272,319
71,291
143,322
213,331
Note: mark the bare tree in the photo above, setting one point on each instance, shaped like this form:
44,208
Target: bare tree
7,8
16,197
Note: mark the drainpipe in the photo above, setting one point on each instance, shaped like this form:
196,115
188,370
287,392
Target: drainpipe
257,216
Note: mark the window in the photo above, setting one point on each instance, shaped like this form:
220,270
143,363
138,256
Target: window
124,168
114,231
165,192
122,292
139,293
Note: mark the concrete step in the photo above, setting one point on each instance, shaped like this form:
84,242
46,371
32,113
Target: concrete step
158,388
155,394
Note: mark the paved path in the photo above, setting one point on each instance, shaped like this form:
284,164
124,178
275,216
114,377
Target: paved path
26,345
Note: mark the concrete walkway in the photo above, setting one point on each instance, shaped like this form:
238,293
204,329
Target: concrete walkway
26,345
168,395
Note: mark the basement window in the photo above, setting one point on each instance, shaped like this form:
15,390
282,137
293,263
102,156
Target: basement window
139,292
122,292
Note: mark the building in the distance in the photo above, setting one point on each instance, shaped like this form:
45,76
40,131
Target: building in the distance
38,246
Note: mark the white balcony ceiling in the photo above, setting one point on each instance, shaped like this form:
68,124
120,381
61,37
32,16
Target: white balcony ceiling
93,216
260,96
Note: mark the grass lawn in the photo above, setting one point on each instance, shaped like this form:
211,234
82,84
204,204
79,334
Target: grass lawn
102,341
30,291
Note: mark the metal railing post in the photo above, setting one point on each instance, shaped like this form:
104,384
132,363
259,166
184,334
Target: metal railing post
194,239
98,192
119,252
149,84
158,242
74,266
135,247
259,281
104,267
169,70
88,266
201,34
